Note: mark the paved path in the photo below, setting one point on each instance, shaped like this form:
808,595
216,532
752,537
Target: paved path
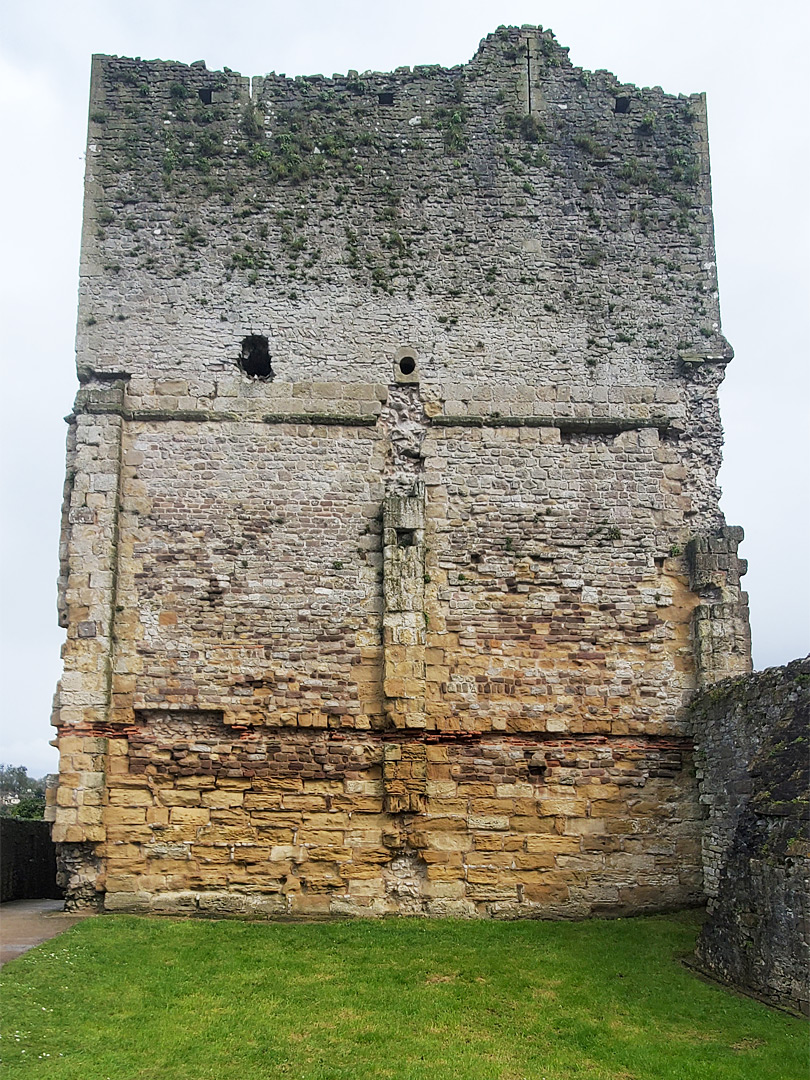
26,923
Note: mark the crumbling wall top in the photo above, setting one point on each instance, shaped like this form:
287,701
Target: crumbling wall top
520,218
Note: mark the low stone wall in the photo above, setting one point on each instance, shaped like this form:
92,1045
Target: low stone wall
28,865
753,736
205,819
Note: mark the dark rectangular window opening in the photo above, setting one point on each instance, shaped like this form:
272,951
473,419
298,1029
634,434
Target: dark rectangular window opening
405,538
386,98
205,95
622,104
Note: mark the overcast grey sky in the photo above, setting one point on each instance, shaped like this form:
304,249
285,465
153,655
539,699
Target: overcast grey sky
749,58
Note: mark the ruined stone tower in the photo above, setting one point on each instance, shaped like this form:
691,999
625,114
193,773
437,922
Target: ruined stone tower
392,551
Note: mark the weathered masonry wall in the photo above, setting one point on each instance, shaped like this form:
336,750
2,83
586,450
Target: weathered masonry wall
204,819
753,735
392,552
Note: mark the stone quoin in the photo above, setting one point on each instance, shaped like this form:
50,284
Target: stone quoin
392,553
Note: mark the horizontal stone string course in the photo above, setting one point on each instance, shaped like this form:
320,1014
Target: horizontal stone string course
598,427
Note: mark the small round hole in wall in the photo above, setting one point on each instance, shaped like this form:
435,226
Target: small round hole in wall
254,358
406,365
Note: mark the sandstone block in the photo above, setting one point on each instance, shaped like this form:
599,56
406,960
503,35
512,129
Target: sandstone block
219,800
580,826
302,903
189,815
125,815
304,802
488,821
569,807
131,797
174,903
134,901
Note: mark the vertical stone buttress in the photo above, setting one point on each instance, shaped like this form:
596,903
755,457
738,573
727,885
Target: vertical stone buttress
720,627
404,606
87,601
404,616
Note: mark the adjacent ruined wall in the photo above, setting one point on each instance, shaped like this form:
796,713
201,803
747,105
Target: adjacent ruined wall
392,551
753,745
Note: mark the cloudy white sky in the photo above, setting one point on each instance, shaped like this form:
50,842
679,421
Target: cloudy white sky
750,58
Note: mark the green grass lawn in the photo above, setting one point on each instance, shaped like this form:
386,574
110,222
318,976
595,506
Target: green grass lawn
413,999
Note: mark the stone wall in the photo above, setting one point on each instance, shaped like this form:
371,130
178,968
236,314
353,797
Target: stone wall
203,818
753,735
397,430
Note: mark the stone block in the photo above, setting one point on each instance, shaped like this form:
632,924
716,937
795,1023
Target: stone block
581,826
171,797
309,903
488,821
569,807
125,815
131,797
546,893
189,815
124,902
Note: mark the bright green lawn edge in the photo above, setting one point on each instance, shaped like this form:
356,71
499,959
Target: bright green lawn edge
127,998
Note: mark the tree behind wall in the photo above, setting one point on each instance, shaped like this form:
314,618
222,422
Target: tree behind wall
21,795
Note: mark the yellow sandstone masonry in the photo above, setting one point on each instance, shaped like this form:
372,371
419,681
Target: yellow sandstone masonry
391,551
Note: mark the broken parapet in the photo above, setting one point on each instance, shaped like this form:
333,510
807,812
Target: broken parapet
721,630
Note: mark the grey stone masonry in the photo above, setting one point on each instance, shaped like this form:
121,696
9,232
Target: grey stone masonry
752,735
